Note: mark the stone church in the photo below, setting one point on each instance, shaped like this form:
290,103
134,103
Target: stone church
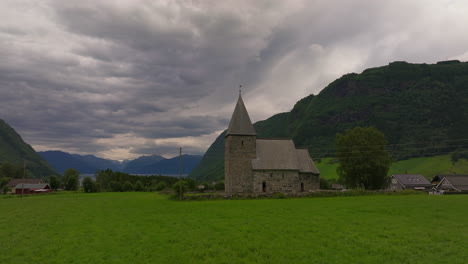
255,165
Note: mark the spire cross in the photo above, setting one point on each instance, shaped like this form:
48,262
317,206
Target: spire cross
240,91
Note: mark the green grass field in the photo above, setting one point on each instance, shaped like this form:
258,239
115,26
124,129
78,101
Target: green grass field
148,228
427,166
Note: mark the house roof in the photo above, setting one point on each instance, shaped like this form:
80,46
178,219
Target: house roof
240,121
32,186
280,154
14,182
412,180
460,182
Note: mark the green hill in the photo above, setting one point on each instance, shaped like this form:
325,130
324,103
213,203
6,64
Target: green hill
14,150
426,166
421,108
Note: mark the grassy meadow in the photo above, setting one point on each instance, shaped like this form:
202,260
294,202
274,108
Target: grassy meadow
149,228
426,166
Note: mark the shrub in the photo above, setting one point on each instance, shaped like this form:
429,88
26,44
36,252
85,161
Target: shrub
180,187
324,184
279,195
191,184
219,186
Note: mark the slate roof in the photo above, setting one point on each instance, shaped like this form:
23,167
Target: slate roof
32,186
240,121
281,154
14,182
412,180
460,182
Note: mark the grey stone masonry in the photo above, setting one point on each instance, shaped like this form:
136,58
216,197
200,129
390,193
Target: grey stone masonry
271,181
254,165
238,153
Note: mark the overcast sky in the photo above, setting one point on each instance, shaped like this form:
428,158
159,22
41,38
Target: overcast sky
120,79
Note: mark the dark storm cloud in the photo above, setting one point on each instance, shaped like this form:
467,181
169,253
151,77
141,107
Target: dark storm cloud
124,78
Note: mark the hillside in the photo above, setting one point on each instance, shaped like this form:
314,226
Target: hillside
426,166
14,150
421,108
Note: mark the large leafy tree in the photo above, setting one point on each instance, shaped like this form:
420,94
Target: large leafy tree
54,182
363,159
71,179
89,185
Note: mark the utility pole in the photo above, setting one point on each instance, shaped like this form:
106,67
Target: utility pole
180,173
24,176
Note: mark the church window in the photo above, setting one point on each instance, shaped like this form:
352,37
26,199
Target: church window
302,186
242,142
271,175
263,186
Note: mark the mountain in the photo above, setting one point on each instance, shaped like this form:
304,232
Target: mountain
159,165
135,166
421,108
87,164
14,150
100,163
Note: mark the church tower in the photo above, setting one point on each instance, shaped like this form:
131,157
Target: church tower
239,150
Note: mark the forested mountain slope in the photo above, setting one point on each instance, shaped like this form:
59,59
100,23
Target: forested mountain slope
15,151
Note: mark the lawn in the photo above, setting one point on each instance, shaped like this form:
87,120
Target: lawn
148,228
426,166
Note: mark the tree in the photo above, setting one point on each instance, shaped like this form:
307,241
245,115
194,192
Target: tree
191,184
139,187
54,182
3,185
161,186
12,171
89,185
219,186
115,186
180,187
127,186
71,179
363,160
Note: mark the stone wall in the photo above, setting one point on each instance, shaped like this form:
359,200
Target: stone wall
238,153
270,181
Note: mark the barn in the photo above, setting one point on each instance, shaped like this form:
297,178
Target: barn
30,188
453,183
14,182
409,181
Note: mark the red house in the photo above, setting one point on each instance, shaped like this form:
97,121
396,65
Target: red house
13,182
29,188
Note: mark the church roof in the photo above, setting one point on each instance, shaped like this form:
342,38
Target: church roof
281,154
240,121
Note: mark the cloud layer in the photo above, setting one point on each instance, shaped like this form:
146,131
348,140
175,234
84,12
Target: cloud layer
125,78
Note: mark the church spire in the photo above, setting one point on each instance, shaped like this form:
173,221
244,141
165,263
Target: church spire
240,121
